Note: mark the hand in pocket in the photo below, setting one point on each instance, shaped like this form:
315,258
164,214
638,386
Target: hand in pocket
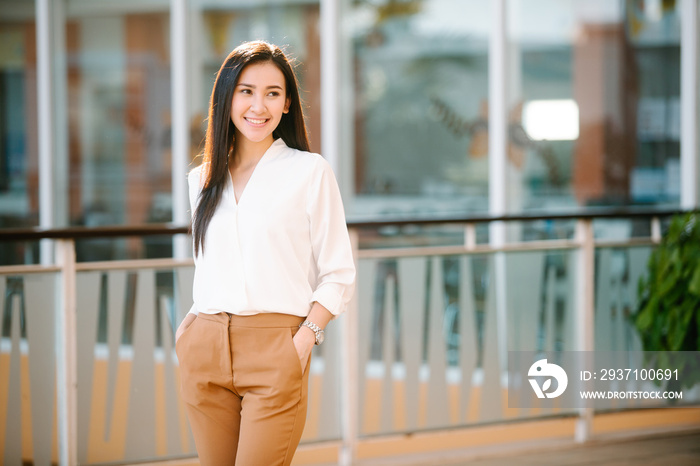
304,342
187,321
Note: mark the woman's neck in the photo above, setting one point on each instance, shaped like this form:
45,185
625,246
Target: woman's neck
246,152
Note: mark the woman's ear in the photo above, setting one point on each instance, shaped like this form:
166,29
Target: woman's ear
287,104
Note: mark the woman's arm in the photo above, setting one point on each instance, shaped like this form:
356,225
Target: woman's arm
333,255
330,242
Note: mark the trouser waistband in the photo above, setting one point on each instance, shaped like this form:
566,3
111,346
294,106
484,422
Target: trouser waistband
262,320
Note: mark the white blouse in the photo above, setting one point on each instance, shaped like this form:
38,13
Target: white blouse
284,245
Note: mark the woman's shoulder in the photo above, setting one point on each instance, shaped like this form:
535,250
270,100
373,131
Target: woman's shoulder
307,161
196,175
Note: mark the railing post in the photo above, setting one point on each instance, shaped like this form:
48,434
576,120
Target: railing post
690,175
470,236
349,371
585,313
66,355
179,48
656,230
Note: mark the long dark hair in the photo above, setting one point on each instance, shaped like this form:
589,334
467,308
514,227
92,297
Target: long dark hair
219,140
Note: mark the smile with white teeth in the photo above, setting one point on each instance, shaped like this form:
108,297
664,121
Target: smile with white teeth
256,121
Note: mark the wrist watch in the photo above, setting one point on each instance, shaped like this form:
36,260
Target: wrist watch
316,329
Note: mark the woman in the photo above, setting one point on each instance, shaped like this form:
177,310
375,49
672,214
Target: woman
273,265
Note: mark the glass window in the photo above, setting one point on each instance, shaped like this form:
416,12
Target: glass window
119,126
19,179
421,85
594,103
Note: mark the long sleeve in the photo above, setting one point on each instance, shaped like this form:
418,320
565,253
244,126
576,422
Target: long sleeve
280,247
194,180
330,243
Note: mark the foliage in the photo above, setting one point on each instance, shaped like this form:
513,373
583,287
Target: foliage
668,310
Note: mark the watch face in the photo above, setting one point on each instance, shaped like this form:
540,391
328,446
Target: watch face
319,338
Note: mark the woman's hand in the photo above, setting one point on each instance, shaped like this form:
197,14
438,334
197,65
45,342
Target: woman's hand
187,321
304,341
305,338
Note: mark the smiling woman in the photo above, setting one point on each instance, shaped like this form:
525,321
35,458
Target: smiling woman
273,265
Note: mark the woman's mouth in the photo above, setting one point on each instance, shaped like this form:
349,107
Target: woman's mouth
256,121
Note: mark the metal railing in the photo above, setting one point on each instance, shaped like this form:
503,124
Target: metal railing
427,332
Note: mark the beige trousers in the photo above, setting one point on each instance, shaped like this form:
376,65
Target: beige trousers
243,387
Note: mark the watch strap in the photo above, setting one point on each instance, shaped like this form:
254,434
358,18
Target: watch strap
318,331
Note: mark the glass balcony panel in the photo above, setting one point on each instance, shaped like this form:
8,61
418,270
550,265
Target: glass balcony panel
28,368
618,271
430,355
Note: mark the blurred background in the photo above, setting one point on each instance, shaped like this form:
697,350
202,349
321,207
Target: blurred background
578,118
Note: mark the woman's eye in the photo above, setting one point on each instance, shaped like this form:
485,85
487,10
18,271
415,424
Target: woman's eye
245,91
273,94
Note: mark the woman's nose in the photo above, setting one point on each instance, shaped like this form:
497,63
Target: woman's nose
258,104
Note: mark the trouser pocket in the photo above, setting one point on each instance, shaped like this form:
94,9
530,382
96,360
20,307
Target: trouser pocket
293,349
184,326
204,355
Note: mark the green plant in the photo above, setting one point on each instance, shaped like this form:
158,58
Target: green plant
668,310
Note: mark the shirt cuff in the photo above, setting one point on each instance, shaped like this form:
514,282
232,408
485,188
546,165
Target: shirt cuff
193,310
329,297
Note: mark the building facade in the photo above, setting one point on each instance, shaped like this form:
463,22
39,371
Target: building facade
423,107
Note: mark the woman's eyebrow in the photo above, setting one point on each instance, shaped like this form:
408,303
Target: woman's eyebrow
272,86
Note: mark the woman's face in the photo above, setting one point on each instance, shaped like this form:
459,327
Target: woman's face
259,100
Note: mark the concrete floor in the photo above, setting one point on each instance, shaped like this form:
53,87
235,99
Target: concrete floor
680,448
663,450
